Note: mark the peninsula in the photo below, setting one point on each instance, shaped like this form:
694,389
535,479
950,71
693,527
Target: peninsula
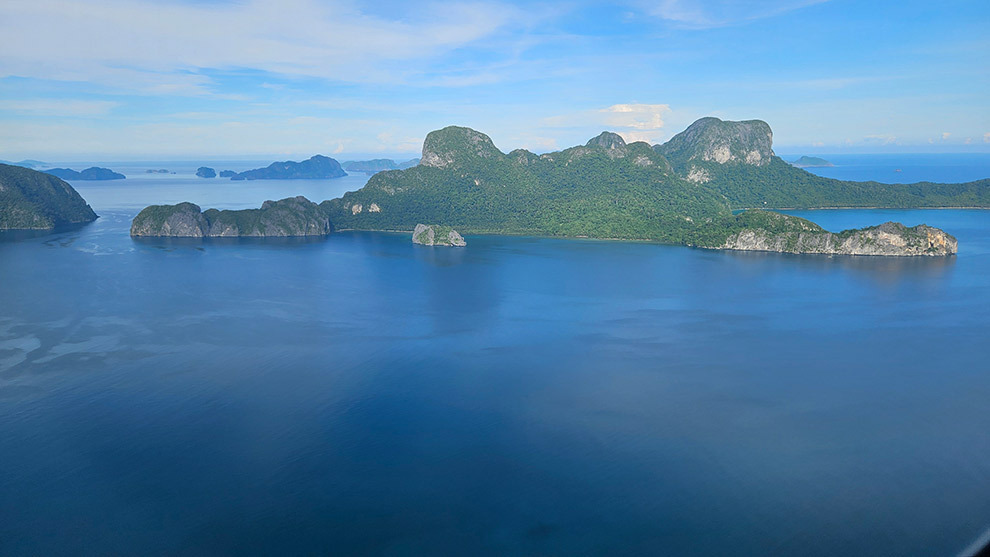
32,200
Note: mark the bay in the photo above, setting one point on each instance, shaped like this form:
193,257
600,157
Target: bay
528,396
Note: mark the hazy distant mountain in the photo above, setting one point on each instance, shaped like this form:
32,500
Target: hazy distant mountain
810,162
92,173
316,167
377,165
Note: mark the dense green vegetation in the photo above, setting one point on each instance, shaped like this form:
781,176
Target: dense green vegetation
684,191
32,200
465,182
780,185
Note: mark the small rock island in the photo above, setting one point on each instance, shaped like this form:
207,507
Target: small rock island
434,235
286,218
206,172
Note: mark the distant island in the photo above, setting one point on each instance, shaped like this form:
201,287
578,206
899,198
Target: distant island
688,191
92,173
32,200
227,174
810,162
206,172
377,165
290,217
26,163
159,171
316,167
434,235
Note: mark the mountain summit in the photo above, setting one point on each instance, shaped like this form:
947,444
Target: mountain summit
713,140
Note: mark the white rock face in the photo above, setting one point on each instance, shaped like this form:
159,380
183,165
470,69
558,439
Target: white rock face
374,208
356,208
753,157
698,175
719,153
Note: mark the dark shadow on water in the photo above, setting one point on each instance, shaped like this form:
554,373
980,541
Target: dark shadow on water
878,266
203,242
19,235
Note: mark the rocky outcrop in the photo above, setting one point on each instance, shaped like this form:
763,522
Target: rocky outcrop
206,172
712,140
456,145
613,144
433,235
32,200
794,235
290,217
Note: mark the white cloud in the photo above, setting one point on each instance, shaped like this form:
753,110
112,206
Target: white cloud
881,139
818,144
636,116
161,47
945,135
986,137
705,14
634,122
63,108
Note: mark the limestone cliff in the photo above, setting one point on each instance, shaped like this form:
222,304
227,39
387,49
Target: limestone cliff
290,217
787,234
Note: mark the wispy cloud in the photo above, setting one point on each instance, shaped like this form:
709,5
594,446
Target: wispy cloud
164,46
706,14
59,108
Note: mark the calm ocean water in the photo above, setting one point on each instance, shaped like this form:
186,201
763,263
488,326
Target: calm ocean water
527,396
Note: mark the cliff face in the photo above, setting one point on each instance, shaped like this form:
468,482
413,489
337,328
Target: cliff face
433,235
889,239
290,217
32,200
722,142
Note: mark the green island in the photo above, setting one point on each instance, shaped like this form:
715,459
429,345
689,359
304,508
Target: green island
286,218
32,200
810,162
712,186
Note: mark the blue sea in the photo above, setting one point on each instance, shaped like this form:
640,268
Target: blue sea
520,396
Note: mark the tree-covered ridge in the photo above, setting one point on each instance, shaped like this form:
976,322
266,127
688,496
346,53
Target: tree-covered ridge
680,192
32,200
604,189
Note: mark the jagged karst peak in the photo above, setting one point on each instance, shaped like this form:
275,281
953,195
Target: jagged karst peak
446,146
607,140
710,139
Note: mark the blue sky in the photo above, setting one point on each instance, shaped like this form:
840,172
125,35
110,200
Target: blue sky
136,79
